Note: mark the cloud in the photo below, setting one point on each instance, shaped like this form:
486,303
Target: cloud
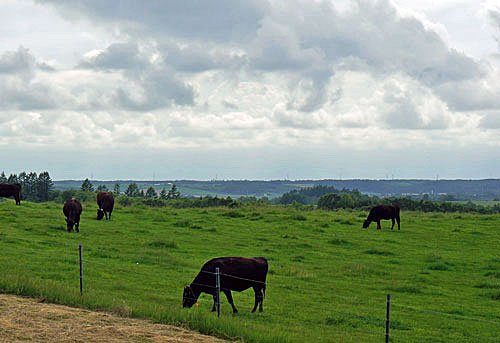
17,62
308,41
490,121
19,86
115,56
149,83
221,20
226,74
155,88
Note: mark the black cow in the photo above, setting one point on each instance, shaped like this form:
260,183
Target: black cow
72,209
106,202
236,274
382,212
11,190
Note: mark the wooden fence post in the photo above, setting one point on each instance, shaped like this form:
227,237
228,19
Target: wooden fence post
217,285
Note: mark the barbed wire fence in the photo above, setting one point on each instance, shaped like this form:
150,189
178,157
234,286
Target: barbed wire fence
75,255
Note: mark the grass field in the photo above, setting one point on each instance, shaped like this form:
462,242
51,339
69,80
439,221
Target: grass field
327,282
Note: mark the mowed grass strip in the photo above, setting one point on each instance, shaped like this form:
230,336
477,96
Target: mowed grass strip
327,282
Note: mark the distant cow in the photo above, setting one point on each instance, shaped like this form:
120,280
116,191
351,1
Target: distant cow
236,274
72,209
105,202
11,190
382,212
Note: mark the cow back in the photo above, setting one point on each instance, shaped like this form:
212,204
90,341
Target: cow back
7,189
383,212
236,273
72,206
105,201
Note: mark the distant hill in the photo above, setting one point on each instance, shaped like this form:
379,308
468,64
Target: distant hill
486,189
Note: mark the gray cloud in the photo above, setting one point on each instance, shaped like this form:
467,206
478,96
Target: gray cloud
221,20
490,121
159,88
150,84
471,95
307,40
195,57
494,16
116,56
17,62
18,88
292,72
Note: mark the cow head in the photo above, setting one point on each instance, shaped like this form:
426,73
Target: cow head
188,297
366,223
100,213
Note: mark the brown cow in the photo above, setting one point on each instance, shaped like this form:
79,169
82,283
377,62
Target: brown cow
382,212
11,190
106,202
236,274
72,209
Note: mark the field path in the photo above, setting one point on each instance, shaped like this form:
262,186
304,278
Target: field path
26,319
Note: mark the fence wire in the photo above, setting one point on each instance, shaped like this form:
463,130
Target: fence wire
72,250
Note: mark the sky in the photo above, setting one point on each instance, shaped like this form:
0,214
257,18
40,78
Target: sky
250,89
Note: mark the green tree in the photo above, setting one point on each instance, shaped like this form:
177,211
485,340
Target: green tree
151,193
102,188
116,189
87,186
44,186
132,190
329,201
173,193
3,178
163,194
12,179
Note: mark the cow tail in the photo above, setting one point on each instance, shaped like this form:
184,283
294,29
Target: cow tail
264,291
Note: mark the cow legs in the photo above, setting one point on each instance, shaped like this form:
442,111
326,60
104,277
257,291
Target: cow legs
393,221
259,298
77,225
397,219
106,214
230,299
378,225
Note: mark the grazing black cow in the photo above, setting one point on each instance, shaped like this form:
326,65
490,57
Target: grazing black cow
382,212
11,190
72,209
236,274
106,202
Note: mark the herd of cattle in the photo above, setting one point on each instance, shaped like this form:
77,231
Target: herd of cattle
236,273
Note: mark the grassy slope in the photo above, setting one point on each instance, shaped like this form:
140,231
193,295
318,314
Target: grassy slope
327,282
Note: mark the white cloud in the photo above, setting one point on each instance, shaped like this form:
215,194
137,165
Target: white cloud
254,74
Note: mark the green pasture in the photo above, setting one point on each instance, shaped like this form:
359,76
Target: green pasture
327,282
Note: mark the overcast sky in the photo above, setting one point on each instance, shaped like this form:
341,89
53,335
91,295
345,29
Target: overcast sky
249,89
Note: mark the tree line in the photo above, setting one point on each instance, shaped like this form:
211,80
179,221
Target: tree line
134,191
39,188
34,187
330,198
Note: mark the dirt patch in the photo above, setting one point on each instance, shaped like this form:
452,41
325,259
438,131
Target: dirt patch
25,319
